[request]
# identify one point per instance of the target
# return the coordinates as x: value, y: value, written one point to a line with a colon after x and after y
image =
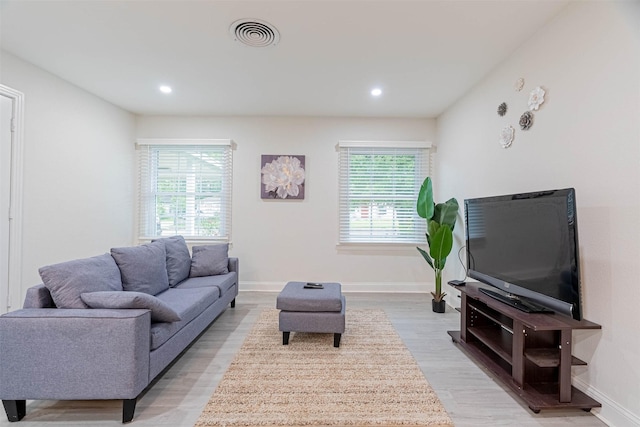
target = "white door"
x: 6, y: 117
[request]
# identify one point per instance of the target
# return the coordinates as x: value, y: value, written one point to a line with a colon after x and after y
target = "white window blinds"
x: 379, y: 186
x: 185, y: 189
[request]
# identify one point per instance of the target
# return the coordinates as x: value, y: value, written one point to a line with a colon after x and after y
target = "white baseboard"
x: 393, y: 287
x: 611, y: 413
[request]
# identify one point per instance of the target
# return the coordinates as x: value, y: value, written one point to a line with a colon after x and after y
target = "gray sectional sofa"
x: 105, y: 327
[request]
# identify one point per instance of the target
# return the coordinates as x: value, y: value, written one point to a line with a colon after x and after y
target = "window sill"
x: 190, y: 241
x: 378, y: 248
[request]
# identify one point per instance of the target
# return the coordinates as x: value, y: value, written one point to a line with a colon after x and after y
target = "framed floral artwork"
x: 283, y: 177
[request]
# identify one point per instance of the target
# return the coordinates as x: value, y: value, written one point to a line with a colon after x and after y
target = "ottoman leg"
x: 285, y: 338
x: 336, y: 340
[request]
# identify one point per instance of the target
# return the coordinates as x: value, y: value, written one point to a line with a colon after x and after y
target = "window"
x: 379, y: 186
x: 184, y: 188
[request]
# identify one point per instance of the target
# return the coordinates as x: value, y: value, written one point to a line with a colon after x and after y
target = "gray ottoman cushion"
x: 295, y: 297
x: 323, y: 322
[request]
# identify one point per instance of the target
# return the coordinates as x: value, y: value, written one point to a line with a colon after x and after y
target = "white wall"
x: 78, y: 178
x: 282, y: 240
x: 586, y: 135
x: 78, y: 169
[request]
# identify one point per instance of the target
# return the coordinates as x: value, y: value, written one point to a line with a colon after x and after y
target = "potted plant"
x: 441, y: 219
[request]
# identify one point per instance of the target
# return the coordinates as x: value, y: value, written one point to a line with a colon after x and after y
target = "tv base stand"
x: 529, y: 352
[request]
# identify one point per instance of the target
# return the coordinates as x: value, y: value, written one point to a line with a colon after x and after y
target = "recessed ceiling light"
x: 165, y: 89
x: 376, y: 91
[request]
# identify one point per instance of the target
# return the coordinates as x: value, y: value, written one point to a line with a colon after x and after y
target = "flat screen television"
x: 526, y: 245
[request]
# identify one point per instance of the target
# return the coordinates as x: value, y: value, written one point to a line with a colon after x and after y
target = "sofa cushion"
x: 143, y: 268
x: 178, y: 258
x: 188, y: 303
x: 160, y: 311
x: 224, y: 282
x: 68, y: 280
x: 210, y: 260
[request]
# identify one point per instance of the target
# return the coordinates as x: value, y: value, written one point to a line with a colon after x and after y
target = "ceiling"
x: 424, y: 55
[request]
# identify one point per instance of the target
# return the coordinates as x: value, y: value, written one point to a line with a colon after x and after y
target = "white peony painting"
x: 282, y: 177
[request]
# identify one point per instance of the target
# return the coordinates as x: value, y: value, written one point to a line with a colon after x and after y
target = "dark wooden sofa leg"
x: 15, y: 409
x: 336, y: 340
x: 128, y: 409
x: 233, y: 303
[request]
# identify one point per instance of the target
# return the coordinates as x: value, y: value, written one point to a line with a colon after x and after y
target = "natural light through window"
x: 379, y: 186
x: 185, y: 189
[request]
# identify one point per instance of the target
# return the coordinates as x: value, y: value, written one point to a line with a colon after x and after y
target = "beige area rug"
x: 371, y: 380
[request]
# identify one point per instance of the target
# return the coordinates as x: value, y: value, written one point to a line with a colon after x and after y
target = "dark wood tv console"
x: 528, y: 352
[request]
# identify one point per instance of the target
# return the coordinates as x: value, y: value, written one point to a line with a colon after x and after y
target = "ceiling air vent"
x: 254, y: 33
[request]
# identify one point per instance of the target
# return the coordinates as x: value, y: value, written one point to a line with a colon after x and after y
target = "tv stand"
x: 529, y: 352
x: 516, y: 302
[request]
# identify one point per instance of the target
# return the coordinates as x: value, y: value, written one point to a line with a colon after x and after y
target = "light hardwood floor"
x: 468, y: 392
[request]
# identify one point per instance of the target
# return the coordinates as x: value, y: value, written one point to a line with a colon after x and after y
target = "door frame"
x: 14, y: 290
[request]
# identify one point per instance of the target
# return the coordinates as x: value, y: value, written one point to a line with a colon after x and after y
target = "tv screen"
x: 527, y: 245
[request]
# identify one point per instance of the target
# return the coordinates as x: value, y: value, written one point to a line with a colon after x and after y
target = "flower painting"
x: 282, y: 177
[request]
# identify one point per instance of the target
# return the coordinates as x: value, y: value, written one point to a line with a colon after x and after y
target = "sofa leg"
x: 128, y: 409
x: 15, y: 409
x: 233, y: 303
x: 336, y: 340
x: 285, y: 338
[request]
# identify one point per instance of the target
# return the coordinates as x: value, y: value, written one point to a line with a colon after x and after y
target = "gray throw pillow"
x: 143, y: 268
x: 178, y: 258
x: 210, y: 260
x: 67, y: 280
x: 160, y: 311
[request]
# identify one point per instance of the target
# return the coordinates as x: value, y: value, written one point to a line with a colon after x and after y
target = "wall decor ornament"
x: 519, y: 84
x: 506, y: 136
x: 536, y: 98
x: 502, y: 109
x: 526, y: 120
x: 283, y: 177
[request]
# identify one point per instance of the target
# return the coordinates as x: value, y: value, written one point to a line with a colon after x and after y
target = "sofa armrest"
x: 38, y: 296
x: 234, y: 265
x: 69, y: 354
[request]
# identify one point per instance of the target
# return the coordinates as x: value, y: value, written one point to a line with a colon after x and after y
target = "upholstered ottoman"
x: 311, y: 310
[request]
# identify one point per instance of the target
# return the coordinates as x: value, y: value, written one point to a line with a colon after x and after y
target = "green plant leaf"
x: 425, y: 206
x: 446, y: 213
x: 426, y: 256
x: 432, y: 228
x: 428, y: 238
x: 441, y: 243
x: 439, y: 263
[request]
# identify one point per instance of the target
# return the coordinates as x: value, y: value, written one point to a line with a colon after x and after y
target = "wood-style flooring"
x: 470, y: 395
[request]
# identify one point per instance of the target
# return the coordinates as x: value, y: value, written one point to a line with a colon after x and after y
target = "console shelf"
x: 528, y: 352
x: 549, y: 357
x: 496, y: 343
